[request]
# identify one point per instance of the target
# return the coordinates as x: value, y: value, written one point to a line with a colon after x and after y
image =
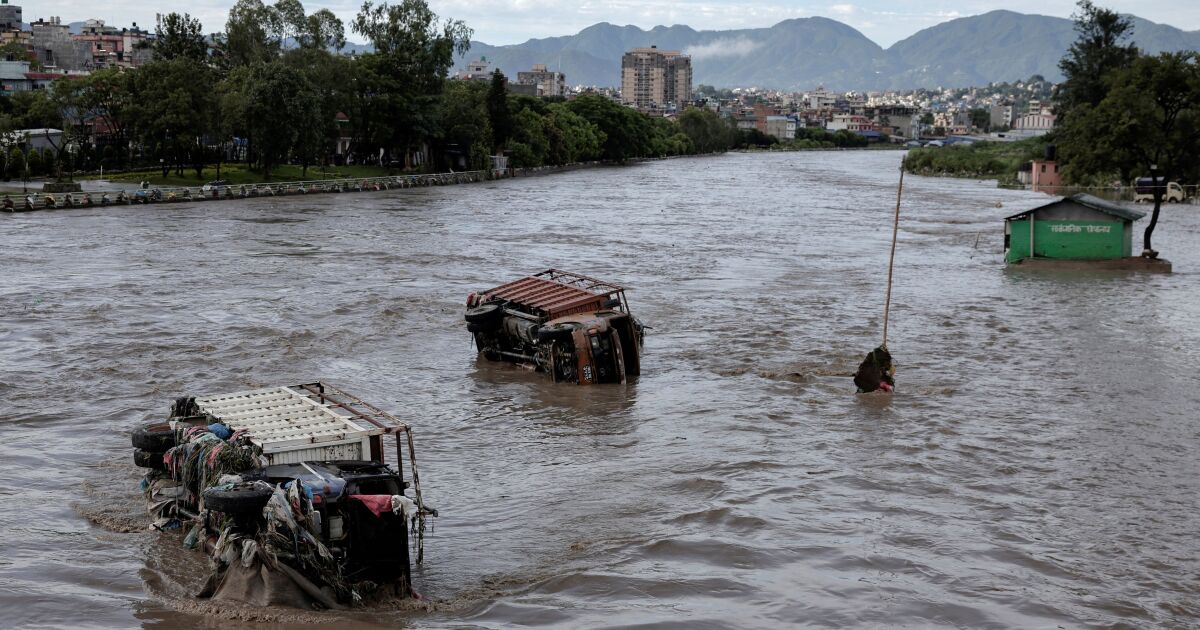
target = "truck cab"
x: 1143, y: 189
x: 575, y: 328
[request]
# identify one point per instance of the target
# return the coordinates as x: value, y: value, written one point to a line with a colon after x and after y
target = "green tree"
x: 1098, y: 50
x: 253, y: 34
x: 104, y: 97
x: 179, y: 36
x: 626, y: 132
x: 49, y: 163
x: 499, y: 114
x: 572, y: 137
x: 16, y: 51
x: 1148, y: 122
x: 981, y: 119
x: 529, y: 143
x: 34, y: 163
x: 282, y: 108
x: 326, y: 74
x: 706, y: 130
x: 464, y: 122
x: 414, y: 51
x: 16, y: 163
x: 322, y: 30
x: 173, y: 102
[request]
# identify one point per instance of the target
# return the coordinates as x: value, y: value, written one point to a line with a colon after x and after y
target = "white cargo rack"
x: 291, y: 426
x: 319, y: 422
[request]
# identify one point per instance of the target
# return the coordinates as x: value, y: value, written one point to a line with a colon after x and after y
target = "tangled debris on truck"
x: 288, y: 491
x: 575, y: 328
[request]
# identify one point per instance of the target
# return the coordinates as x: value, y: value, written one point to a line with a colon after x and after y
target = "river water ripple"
x: 1037, y: 467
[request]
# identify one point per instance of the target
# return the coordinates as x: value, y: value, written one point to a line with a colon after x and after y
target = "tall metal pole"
x: 887, y: 304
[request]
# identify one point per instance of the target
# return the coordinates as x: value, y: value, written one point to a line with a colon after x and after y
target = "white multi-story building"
x: 849, y: 122
x: 477, y: 70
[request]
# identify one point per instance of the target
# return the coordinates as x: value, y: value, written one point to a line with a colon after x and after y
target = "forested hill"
x: 805, y: 52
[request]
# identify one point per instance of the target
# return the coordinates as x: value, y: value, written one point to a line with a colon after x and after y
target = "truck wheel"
x: 156, y: 437
x: 484, y: 313
x: 147, y: 459
x: 242, y: 498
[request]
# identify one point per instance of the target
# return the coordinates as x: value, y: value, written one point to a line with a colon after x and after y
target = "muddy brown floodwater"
x: 1037, y: 468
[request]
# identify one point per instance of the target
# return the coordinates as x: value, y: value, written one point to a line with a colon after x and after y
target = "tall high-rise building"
x: 656, y: 80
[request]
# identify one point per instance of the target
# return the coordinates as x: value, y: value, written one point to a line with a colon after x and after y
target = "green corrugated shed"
x: 1080, y: 227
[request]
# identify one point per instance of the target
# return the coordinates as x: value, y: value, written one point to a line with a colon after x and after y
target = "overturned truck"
x: 289, y: 491
x: 575, y: 328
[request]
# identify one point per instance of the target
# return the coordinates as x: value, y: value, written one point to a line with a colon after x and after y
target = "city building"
x: 10, y: 16
x: 547, y: 82
x: 656, y: 80
x: 12, y: 77
x: 849, y: 122
x: 782, y: 127
x: 1002, y: 116
x: 54, y: 46
x: 108, y: 47
x: 821, y: 98
x: 1039, y: 123
x: 477, y: 70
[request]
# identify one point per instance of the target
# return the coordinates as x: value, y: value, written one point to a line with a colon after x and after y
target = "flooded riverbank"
x: 1036, y: 468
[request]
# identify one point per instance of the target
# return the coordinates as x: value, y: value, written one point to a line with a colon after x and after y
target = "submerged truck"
x: 291, y: 492
x: 575, y: 328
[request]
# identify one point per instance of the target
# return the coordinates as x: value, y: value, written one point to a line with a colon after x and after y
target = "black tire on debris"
x: 243, y: 498
x: 148, y: 459
x: 485, y: 314
x: 156, y: 437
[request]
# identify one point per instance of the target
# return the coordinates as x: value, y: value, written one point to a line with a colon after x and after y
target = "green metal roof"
x: 1088, y: 201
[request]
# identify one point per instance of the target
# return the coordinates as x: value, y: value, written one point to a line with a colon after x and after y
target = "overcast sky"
x: 514, y: 21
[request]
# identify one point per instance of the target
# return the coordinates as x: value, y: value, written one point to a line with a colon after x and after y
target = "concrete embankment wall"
x: 167, y: 194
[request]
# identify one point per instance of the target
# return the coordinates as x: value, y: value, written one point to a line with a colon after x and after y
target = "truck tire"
x: 484, y: 313
x: 147, y: 459
x: 156, y: 437
x: 243, y: 498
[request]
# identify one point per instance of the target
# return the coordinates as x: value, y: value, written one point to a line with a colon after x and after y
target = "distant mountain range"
x: 803, y: 53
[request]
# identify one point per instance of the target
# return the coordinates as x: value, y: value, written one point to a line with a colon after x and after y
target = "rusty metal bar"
x: 412, y: 455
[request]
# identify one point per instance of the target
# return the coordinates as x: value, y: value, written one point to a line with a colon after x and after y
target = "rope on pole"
x: 887, y: 303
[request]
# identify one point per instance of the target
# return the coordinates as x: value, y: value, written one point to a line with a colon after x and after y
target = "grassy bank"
x: 236, y: 174
x: 998, y: 160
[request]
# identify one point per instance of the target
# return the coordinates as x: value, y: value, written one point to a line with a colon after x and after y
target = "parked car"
x: 294, y: 479
x: 575, y: 328
x: 1143, y: 189
x: 215, y: 184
